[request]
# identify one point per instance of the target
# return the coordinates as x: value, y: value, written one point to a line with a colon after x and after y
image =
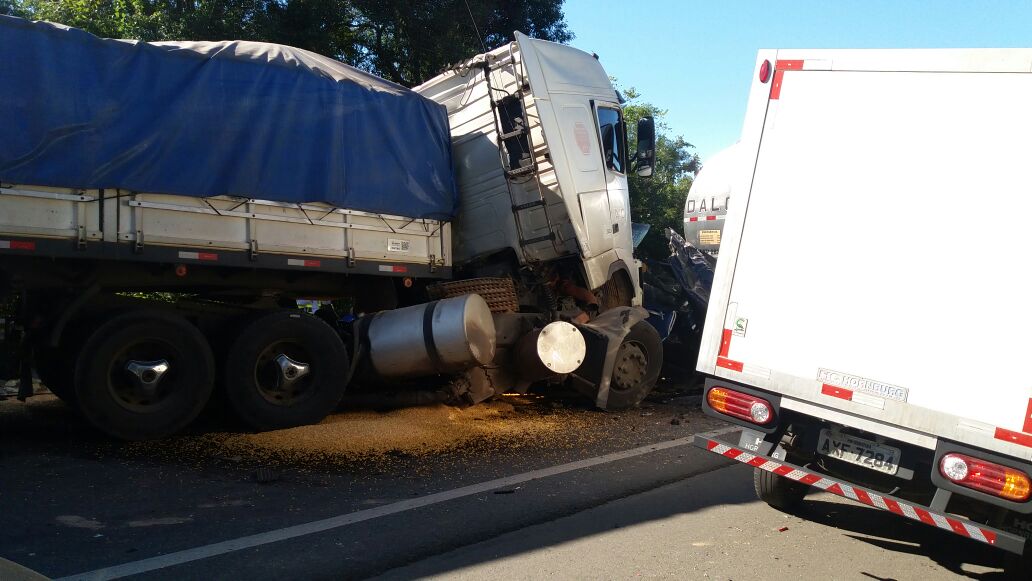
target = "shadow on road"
x: 892, y: 533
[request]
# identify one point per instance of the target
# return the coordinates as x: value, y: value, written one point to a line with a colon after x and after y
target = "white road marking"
x: 319, y: 526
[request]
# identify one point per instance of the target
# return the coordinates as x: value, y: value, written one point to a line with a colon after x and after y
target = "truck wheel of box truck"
x: 637, y: 367
x: 285, y: 369
x: 144, y: 375
x: 777, y: 491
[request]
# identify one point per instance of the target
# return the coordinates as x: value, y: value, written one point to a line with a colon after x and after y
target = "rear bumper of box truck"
x: 948, y: 522
x: 787, y: 443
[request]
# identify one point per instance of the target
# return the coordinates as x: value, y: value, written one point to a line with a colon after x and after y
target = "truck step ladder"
x: 517, y: 150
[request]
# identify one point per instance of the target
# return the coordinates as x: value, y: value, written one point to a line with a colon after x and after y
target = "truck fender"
x: 603, y: 336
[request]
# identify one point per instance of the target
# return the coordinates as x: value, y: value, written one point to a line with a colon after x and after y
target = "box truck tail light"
x: 995, y: 479
x: 740, y: 405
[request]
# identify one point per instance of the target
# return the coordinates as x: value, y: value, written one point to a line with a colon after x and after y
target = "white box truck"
x: 870, y: 310
x: 164, y: 205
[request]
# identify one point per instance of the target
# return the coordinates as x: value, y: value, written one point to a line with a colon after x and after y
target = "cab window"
x: 611, y: 131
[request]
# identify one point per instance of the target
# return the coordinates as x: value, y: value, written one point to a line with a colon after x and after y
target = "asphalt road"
x: 572, y: 493
x: 710, y: 526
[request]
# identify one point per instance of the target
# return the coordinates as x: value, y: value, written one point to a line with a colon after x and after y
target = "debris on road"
x: 265, y: 475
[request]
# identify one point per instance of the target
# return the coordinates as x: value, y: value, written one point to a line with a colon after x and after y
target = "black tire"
x: 56, y: 369
x: 777, y: 491
x: 56, y: 365
x: 257, y: 389
x: 1018, y: 566
x: 637, y: 367
x: 107, y: 394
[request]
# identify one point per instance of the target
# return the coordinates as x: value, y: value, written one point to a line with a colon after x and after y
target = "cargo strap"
x: 428, y: 337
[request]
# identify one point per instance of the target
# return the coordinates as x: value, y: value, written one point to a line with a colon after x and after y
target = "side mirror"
x: 645, y: 157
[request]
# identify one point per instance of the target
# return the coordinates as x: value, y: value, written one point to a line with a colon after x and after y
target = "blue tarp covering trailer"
x: 245, y: 119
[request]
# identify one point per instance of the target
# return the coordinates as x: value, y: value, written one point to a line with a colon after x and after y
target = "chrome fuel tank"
x: 437, y: 337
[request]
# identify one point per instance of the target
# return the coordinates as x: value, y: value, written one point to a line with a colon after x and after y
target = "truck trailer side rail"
x: 240, y: 232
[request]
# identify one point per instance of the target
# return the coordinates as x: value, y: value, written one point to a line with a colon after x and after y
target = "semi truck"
x: 164, y: 205
x: 865, y: 342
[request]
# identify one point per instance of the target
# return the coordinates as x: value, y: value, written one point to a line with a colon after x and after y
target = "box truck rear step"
x: 960, y: 526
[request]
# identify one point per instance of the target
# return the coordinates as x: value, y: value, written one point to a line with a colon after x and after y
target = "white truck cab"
x: 561, y: 191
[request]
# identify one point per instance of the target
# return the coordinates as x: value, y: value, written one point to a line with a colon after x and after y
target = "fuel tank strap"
x: 428, y: 336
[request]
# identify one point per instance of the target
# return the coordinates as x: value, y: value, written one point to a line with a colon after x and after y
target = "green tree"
x: 411, y: 42
x: 405, y: 42
x: 659, y: 200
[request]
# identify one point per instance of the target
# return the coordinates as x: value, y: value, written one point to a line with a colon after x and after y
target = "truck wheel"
x: 636, y: 370
x: 779, y: 492
x: 1018, y: 566
x: 57, y: 373
x: 286, y: 369
x: 144, y: 375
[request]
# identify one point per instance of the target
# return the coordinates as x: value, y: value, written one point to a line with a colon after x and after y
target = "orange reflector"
x: 740, y: 405
x: 988, y: 477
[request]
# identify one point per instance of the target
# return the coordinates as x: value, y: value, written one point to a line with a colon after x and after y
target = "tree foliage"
x: 405, y: 42
x: 659, y: 200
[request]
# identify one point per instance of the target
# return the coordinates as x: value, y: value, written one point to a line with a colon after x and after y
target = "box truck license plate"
x: 859, y: 451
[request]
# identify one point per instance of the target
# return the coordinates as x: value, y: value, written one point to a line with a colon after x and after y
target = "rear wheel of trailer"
x: 144, y: 375
x: 285, y: 369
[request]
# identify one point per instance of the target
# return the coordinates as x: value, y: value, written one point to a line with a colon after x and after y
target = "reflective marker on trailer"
x: 853, y: 396
x: 779, y: 76
x: 393, y: 268
x: 725, y: 349
x: 1014, y: 437
x: 209, y: 256
x: 17, y: 245
x: 308, y: 263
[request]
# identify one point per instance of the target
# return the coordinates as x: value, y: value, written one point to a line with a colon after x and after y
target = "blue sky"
x: 696, y: 58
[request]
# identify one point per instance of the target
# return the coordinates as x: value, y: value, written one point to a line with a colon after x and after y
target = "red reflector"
x: 988, y: 477
x: 740, y: 405
x: 765, y: 69
x: 790, y: 65
x: 17, y: 245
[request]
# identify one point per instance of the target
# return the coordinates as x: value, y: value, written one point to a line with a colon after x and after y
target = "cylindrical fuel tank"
x: 436, y: 337
x: 557, y: 348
